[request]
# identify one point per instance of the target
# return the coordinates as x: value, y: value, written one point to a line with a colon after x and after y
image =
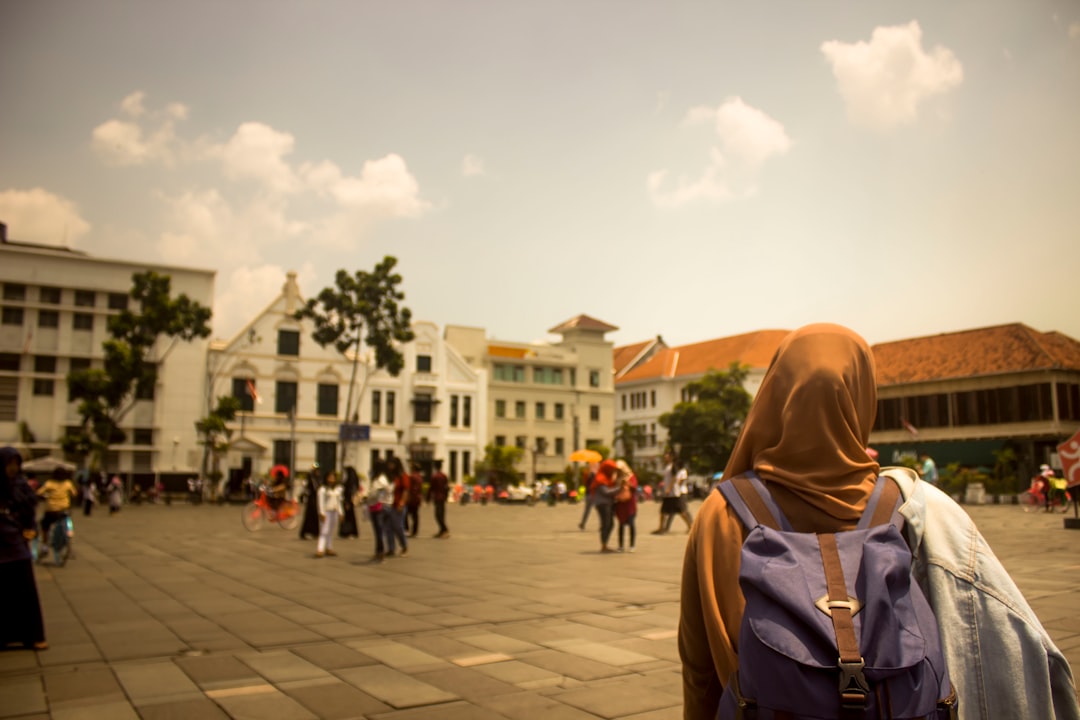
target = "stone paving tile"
x: 393, y: 687
x: 21, y: 696
x: 111, y: 710
x: 571, y: 665
x: 467, y: 683
x: 521, y: 674
x: 272, y: 705
x: 397, y: 655
x: 145, y: 682
x: 282, y: 666
x: 218, y: 671
x: 333, y: 656
x: 528, y: 706
x: 449, y: 711
x: 200, y: 709
x: 497, y: 642
x: 65, y: 654
x: 336, y: 701
x: 80, y: 684
x: 627, y: 698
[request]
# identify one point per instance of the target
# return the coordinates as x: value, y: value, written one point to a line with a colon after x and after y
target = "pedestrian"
x: 681, y: 503
x: 329, y: 501
x: 414, y: 497
x: 588, y: 475
x: 116, y: 494
x: 20, y: 607
x: 437, y: 494
x: 90, y: 493
x: 58, y: 492
x: 394, y: 524
x: 928, y: 469
x: 378, y: 496
x: 626, y: 504
x: 310, y: 524
x: 350, y: 491
x: 805, y: 437
x: 669, y: 499
x: 603, y: 499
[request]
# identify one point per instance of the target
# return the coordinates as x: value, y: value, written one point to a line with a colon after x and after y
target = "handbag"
x: 625, y: 494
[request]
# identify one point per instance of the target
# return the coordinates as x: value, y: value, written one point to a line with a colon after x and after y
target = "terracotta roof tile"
x: 583, y: 322
x: 624, y: 355
x: 970, y: 353
x: 755, y: 349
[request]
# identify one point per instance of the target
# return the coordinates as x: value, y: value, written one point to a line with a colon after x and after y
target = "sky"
x: 685, y: 169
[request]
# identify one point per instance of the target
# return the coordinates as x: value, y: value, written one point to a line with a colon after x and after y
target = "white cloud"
x: 245, y: 291
x: 128, y: 142
x: 747, y: 137
x: 1074, y: 31
x: 384, y: 185
x: 133, y: 104
x: 884, y: 81
x: 472, y: 166
x: 40, y: 216
x: 257, y: 152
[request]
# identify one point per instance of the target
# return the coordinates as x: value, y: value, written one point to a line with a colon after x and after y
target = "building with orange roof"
x: 960, y: 396
x: 547, y: 398
x: 651, y: 387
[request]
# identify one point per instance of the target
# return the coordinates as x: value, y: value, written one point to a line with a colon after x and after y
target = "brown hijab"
x: 807, y: 431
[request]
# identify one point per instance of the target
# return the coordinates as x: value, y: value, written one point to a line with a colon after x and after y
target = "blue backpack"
x: 834, y: 626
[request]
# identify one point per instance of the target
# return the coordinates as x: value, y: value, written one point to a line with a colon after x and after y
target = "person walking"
x: 626, y: 504
x: 437, y: 494
x: 394, y: 524
x: 928, y: 469
x: 116, y: 494
x: 377, y: 499
x: 681, y: 503
x: 669, y: 499
x: 329, y: 501
x: 310, y: 523
x: 414, y: 497
x: 805, y: 437
x: 603, y: 495
x: 350, y: 491
x: 20, y: 606
x: 588, y: 475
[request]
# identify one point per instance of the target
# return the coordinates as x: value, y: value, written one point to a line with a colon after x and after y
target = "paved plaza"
x: 179, y: 612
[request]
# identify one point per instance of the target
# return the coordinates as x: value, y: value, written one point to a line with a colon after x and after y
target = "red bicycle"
x: 259, y: 512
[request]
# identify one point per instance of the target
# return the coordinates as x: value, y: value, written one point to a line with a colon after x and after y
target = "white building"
x: 427, y: 412
x: 548, y: 399
x: 55, y: 305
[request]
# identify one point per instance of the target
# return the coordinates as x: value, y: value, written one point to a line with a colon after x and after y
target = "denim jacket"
x: 1000, y: 659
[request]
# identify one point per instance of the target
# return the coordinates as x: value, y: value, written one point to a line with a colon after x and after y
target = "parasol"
x: 47, y: 464
x: 586, y: 456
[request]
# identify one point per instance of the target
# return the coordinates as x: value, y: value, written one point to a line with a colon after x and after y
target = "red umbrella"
x: 279, y: 469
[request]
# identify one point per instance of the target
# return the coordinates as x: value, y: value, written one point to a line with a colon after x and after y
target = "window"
x: 500, y: 440
x: 624, y: 401
x: 284, y: 396
x: 9, y: 398
x: 84, y: 298
x: 547, y: 376
x: 118, y: 301
x: 328, y: 399
x: 422, y: 407
x: 454, y: 400
x: 78, y: 364
x: 559, y: 411
x: 509, y: 373
x: 560, y: 446
x: 541, y: 446
x: 326, y: 455
x: 466, y: 462
x: 283, y: 453
x: 1068, y: 395
x: 44, y: 387
x: 288, y: 342
x: 374, y: 457
x: 14, y: 291
x: 541, y: 411
x: 519, y: 409
x: 423, y: 363
x: 520, y: 441
x: 652, y: 398
x: 50, y: 295
x: 144, y: 388
x: 44, y: 364
x: 376, y: 406
x: 142, y: 436
x: 453, y: 466
x: 11, y: 316
x: 500, y: 408
x: 594, y: 378
x: 594, y: 413
x: 466, y: 411
x: 241, y: 390
x: 9, y: 362
x: 82, y: 321
x: 391, y: 407
x: 48, y: 318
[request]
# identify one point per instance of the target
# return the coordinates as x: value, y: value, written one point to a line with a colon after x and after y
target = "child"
x: 329, y: 501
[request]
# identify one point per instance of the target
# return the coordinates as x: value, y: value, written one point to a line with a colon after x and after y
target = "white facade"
x: 277, y: 355
x: 55, y: 305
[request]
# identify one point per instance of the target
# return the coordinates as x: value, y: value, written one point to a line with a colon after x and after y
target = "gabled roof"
x: 583, y: 322
x: 627, y: 357
x: 971, y: 353
x: 755, y: 349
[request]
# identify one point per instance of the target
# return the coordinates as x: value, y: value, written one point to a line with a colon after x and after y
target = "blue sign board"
x: 352, y: 432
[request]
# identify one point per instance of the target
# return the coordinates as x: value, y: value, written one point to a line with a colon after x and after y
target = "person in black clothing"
x: 437, y: 494
x: 310, y: 526
x: 20, y: 608
x: 348, y: 526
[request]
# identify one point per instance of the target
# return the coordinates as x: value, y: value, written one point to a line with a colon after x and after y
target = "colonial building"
x: 548, y: 399
x: 653, y: 379
x: 293, y: 396
x: 55, y: 305
x: 960, y: 396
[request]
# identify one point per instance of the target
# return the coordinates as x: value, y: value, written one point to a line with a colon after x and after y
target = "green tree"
x: 362, y: 308
x: 629, y: 437
x: 139, y: 342
x: 499, y: 465
x: 704, y: 429
x: 215, y: 434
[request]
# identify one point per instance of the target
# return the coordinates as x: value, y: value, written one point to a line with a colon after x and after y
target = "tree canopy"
x: 499, y: 465
x: 704, y: 429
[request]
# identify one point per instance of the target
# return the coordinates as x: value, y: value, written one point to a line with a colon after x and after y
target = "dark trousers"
x: 633, y: 530
x: 607, y: 522
x: 440, y: 516
x: 412, y: 519
x: 377, y: 526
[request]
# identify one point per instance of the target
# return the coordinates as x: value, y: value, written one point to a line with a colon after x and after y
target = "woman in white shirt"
x: 379, y: 496
x: 329, y: 505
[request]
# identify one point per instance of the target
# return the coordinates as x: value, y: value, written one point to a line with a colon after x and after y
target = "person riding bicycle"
x: 278, y: 491
x: 58, y: 492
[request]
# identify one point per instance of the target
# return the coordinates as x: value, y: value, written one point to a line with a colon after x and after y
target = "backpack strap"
x: 854, y: 689
x: 883, y: 505
x: 751, y: 501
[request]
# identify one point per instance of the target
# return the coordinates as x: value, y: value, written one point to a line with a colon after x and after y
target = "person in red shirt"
x: 413, y: 498
x: 395, y: 523
x: 437, y: 494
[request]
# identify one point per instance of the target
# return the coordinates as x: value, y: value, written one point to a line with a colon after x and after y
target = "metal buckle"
x: 825, y: 605
x: 854, y: 690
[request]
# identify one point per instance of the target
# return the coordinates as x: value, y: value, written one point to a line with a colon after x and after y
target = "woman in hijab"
x: 20, y: 609
x: 603, y: 493
x: 806, y: 436
x: 348, y: 527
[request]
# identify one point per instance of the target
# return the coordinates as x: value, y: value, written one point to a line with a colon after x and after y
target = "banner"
x: 1069, y: 453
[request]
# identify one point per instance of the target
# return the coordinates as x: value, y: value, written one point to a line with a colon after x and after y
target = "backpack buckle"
x: 854, y: 690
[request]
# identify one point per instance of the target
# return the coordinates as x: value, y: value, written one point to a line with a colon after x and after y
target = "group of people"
x: 391, y: 500
x: 612, y: 490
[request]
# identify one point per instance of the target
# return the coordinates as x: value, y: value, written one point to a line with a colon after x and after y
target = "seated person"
x: 278, y: 490
x: 58, y: 492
